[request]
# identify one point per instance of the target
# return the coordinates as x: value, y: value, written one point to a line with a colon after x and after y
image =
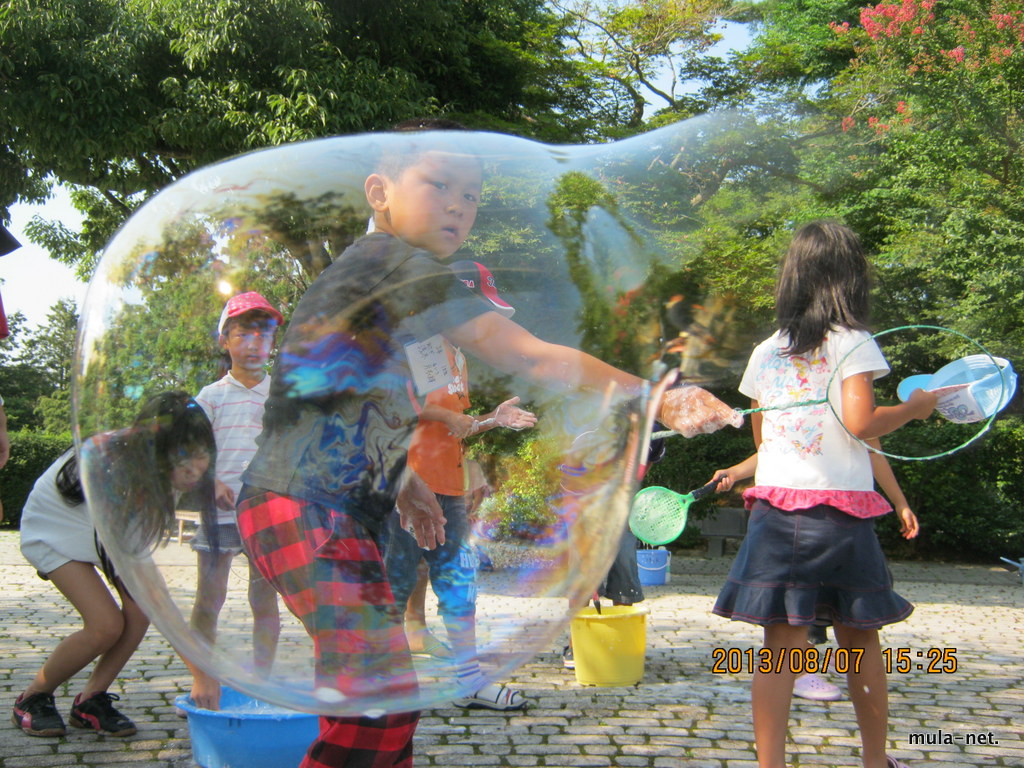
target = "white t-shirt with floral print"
x: 806, y: 447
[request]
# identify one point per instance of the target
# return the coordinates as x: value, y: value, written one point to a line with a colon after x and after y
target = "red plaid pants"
x: 329, y: 571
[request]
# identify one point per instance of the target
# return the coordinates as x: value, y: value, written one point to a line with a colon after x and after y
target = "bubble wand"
x: 1007, y: 386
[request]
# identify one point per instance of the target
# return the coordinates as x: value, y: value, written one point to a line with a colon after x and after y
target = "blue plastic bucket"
x: 248, y: 733
x: 653, y: 566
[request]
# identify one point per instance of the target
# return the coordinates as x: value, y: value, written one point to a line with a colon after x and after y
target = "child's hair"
x: 823, y: 284
x: 169, y: 427
x: 396, y: 156
x: 68, y: 481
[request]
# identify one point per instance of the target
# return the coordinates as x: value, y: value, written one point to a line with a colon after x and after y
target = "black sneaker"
x: 37, y: 715
x: 568, y: 661
x: 97, y: 712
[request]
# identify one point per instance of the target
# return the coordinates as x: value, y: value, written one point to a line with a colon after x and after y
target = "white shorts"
x: 45, y: 559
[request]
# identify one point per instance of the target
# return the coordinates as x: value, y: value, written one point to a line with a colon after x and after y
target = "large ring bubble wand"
x: 971, y: 389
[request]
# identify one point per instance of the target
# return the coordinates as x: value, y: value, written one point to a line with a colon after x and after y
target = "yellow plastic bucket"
x: 609, y: 647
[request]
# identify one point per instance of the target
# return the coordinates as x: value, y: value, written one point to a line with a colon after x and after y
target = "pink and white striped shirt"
x: 236, y: 413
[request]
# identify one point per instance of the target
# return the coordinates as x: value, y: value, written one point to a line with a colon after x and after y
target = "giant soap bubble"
x: 583, y: 242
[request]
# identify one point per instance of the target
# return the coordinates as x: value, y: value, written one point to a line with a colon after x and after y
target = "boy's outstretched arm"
x: 509, y: 347
x: 462, y: 425
x: 458, y: 423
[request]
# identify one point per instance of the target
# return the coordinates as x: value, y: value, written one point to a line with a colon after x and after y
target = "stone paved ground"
x: 682, y: 714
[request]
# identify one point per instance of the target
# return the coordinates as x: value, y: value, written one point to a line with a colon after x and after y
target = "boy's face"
x: 432, y: 204
x: 249, y: 343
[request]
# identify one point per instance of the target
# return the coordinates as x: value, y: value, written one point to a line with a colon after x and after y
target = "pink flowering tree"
x: 905, y: 120
x: 931, y: 105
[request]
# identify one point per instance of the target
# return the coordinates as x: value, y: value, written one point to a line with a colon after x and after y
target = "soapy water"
x: 579, y: 240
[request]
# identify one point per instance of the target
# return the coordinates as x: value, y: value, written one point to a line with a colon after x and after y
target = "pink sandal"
x: 892, y: 762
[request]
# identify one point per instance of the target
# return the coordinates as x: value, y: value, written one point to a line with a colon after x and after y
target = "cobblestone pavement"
x: 681, y: 714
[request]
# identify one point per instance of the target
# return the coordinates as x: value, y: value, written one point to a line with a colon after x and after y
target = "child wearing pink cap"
x: 234, y: 404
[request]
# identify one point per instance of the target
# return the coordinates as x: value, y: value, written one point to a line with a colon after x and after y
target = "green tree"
x: 54, y: 411
x: 935, y: 105
x: 117, y: 98
x: 51, y: 347
x: 10, y: 347
x: 21, y: 383
x: 641, y: 55
x: 795, y: 46
x: 901, y: 119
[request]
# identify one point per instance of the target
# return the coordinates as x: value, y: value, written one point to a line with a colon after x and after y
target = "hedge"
x: 31, y: 453
x: 969, y: 503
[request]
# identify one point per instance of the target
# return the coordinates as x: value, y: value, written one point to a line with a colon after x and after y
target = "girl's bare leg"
x: 772, y: 692
x: 109, y: 667
x: 868, y: 692
x: 211, y: 591
x: 103, y: 622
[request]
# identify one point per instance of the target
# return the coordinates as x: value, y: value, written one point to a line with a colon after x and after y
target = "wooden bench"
x: 724, y: 523
x: 185, y: 516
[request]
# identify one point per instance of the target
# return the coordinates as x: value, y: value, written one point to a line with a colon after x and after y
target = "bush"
x: 31, y: 453
x: 519, y: 508
x: 968, y: 503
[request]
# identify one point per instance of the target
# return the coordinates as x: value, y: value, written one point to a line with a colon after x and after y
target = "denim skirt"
x: 811, y: 566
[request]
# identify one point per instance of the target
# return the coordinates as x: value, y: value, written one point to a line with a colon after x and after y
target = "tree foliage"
x: 35, y: 370
x: 935, y: 101
x: 902, y: 120
x: 641, y: 55
x: 117, y: 98
x: 52, y: 347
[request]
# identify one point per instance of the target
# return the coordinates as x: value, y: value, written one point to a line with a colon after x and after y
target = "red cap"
x: 246, y: 302
x: 479, y: 279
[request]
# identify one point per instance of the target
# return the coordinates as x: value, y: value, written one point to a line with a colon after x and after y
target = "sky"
x: 32, y: 282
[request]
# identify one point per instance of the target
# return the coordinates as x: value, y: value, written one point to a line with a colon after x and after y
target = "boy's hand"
x: 692, y: 411
x: 223, y: 496
x: 461, y: 425
x: 508, y: 415
x: 419, y: 513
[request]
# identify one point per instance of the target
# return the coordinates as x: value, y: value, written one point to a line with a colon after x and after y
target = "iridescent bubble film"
x: 584, y: 243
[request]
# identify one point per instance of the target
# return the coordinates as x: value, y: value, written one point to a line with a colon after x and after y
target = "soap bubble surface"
x: 578, y: 239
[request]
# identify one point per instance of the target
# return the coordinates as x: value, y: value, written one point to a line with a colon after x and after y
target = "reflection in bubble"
x: 585, y: 242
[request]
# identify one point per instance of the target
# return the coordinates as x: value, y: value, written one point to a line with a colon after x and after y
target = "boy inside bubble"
x: 331, y: 462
